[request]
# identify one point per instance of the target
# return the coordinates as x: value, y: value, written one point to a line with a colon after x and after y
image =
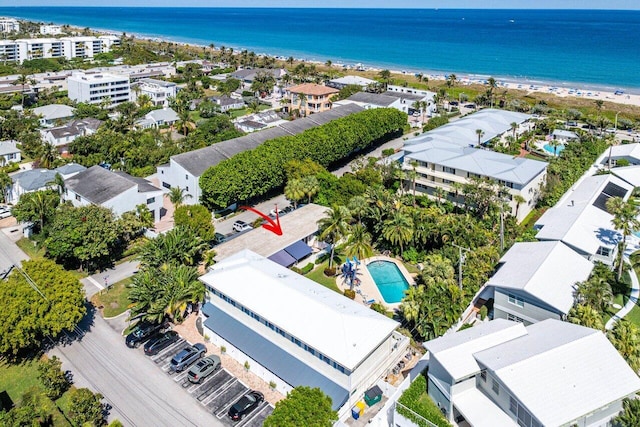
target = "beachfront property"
x: 39, y: 179
x: 66, y: 47
x: 159, y: 91
x: 627, y: 152
x: 9, y: 152
x: 61, y: 136
x: 342, y: 82
x: 295, y: 332
x: 184, y: 170
x: 98, y: 88
x: 447, y: 157
x: 248, y: 75
x: 309, y: 98
x: 581, y: 221
x: 157, y: 118
x: 551, y: 373
x: 400, y: 102
x: 9, y: 25
x: 564, y: 136
x: 50, y: 30
x: 533, y: 283
x: 53, y: 114
x: 115, y: 190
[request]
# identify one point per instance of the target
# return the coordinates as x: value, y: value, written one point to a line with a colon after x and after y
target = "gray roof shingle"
x: 98, y: 184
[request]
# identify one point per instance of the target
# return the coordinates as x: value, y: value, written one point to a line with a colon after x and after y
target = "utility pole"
x: 461, y: 258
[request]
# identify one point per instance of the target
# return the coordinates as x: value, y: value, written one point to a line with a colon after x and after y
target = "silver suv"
x: 241, y: 226
x: 185, y: 357
x: 203, y: 368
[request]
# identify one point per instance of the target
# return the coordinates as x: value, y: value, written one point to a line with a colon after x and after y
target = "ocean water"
x: 591, y: 48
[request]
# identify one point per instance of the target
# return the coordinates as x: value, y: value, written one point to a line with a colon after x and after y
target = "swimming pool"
x: 389, y: 280
x: 551, y: 150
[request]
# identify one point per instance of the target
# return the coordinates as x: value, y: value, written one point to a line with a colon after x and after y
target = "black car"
x: 142, y: 332
x: 159, y: 342
x: 245, y: 404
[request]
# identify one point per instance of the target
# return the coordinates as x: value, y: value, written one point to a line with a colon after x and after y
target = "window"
x: 513, y: 299
x: 495, y: 387
x: 513, y: 406
x: 78, y: 198
x: 603, y: 251
x: 186, y: 177
x: 449, y: 170
x: 483, y: 375
x: 515, y: 318
x: 151, y: 200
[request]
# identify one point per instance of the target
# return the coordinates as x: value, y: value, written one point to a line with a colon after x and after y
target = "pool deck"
x: 367, y: 290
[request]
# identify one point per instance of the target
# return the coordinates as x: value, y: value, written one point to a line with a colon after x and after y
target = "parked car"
x: 241, y: 226
x: 203, y: 368
x: 245, y: 405
x: 185, y: 357
x: 219, y: 238
x: 142, y: 332
x: 273, y: 212
x: 159, y: 342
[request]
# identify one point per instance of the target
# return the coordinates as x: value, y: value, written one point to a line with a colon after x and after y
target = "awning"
x: 283, y: 258
x: 478, y: 410
x: 276, y: 359
x: 299, y: 250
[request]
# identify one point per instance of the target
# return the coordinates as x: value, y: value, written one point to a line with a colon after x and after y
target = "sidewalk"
x: 633, y: 298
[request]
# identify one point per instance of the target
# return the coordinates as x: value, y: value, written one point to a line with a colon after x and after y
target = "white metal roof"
x: 630, y: 174
x: 560, y: 371
x: 623, y: 150
x: 480, y: 411
x: 54, y: 111
x: 545, y: 270
x: 578, y: 223
x: 455, y: 351
x: 337, y: 326
x: 353, y: 80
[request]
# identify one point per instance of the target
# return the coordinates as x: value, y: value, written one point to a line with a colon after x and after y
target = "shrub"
x: 330, y: 272
x: 351, y: 294
x: 322, y: 258
x: 223, y: 349
x: 273, y: 385
x: 411, y: 398
x: 307, y: 268
x: 483, y: 312
x: 376, y: 306
x: 296, y: 270
x: 55, y: 381
x: 247, y: 366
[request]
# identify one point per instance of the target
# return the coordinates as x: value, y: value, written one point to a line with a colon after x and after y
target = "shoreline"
x: 591, y: 91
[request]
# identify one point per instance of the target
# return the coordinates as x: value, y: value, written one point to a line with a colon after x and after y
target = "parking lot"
x: 217, y: 393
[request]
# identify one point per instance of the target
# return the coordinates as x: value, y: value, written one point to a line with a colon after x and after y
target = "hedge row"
x: 254, y: 173
x: 412, y: 399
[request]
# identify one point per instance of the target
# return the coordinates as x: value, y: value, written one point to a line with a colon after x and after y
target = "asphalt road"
x: 10, y: 254
x: 137, y: 391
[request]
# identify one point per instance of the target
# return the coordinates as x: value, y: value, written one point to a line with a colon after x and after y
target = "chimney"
x: 573, y: 203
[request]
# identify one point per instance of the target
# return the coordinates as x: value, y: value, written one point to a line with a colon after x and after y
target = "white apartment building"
x: 158, y: 90
x: 447, y: 157
x: 66, y: 47
x: 93, y: 88
x: 50, y: 29
x: 295, y: 332
x: 9, y: 25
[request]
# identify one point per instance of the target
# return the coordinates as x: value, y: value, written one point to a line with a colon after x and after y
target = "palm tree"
x: 359, y: 242
x: 625, y: 337
x: 311, y: 186
x: 594, y: 292
x: 144, y: 291
x: 47, y: 155
x: 181, y: 286
x: 177, y: 196
x: 625, y: 220
x: 480, y: 134
x: 5, y: 184
x: 599, y: 104
x: 555, y: 144
x: 212, y: 47
x: 514, y: 128
x: 586, y: 315
x: 43, y: 205
x: 519, y: 200
x: 398, y: 229
x: 385, y: 78
x: 334, y: 226
x: 23, y: 80
x: 294, y: 191
x: 358, y: 206
x: 303, y: 102
x: 58, y: 182
x: 451, y: 80
x: 630, y: 415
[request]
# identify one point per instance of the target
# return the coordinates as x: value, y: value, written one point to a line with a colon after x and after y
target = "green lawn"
x: 115, y: 300
x: 18, y: 378
x: 28, y: 246
x: 244, y: 111
x: 317, y: 275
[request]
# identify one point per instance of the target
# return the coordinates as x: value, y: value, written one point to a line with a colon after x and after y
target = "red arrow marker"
x: 272, y: 226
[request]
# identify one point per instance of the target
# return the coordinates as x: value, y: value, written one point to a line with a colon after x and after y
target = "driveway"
x: 138, y: 393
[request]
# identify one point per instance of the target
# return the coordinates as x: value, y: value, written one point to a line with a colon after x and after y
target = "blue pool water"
x: 389, y: 280
x: 549, y: 149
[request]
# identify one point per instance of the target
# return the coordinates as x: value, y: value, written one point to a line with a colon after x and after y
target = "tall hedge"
x: 255, y: 172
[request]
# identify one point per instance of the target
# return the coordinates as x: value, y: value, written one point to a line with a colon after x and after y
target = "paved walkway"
x: 633, y: 297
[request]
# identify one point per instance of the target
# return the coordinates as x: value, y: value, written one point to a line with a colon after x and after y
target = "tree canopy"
x: 195, y: 218
x: 303, y: 406
x: 28, y: 316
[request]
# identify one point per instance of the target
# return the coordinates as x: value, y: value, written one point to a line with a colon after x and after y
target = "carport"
x: 292, y: 254
x: 478, y: 410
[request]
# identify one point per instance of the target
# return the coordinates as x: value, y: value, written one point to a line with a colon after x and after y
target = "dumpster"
x: 373, y: 395
x: 358, y: 410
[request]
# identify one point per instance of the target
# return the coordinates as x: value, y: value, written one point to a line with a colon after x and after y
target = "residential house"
x: 248, y: 75
x: 342, y: 82
x: 581, y: 221
x: 446, y: 158
x: 98, y: 88
x: 295, y: 332
x: 309, y: 98
x: 627, y: 152
x: 184, y: 170
x: 533, y: 282
x: 157, y: 118
x: 400, y: 102
x: 53, y: 114
x: 550, y: 373
x: 50, y: 29
x: 564, y: 136
x: 115, y: 190
x: 9, y: 152
x: 39, y: 179
x: 259, y: 121
x: 61, y: 136
x: 226, y: 103
x: 158, y: 91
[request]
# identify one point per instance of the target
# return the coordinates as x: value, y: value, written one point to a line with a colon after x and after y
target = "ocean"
x: 586, y: 48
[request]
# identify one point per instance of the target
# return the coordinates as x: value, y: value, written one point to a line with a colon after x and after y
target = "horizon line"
x: 313, y: 7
